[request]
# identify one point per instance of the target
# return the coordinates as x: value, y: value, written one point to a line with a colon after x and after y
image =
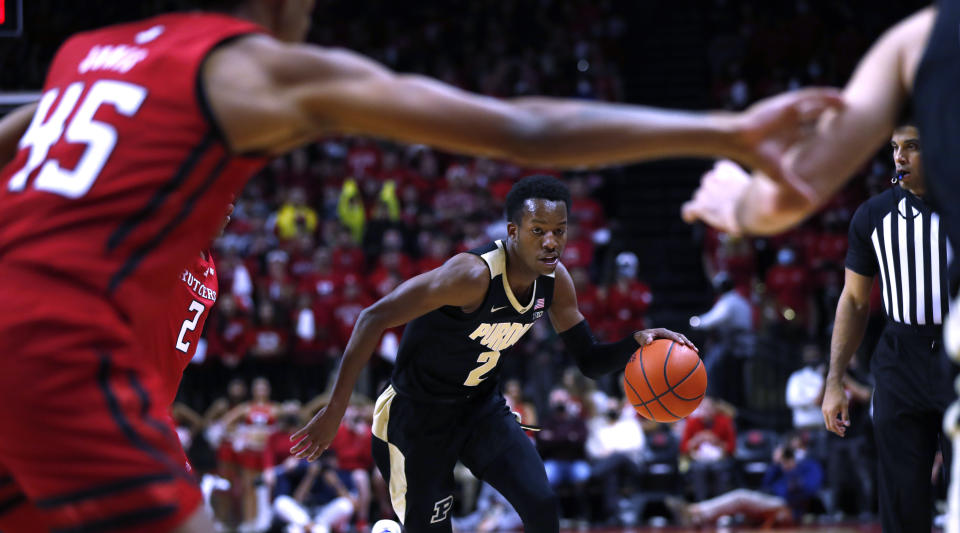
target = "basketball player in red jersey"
x: 172, y: 343
x: 121, y: 173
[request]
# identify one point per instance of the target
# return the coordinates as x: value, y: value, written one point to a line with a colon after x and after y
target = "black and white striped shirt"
x: 898, y: 236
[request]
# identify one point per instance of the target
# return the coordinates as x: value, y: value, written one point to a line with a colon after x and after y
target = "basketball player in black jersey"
x: 443, y: 404
x: 914, y: 66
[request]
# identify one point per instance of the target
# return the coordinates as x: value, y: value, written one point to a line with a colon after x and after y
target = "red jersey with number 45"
x: 120, y: 180
x: 171, y: 345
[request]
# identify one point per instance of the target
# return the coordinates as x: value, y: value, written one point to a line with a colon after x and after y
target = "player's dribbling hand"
x: 646, y: 336
x: 835, y: 403
x: 316, y: 436
x: 715, y: 201
x: 768, y: 128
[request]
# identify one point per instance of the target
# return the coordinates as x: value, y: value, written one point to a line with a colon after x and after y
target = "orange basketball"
x: 665, y: 380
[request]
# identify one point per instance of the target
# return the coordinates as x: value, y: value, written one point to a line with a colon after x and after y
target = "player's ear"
x: 512, y: 230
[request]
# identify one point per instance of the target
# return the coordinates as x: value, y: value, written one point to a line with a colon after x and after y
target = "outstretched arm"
x: 269, y: 96
x: 462, y: 281
x: 819, y: 164
x: 594, y: 358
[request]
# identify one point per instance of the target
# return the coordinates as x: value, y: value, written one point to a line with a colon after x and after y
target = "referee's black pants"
x: 913, y: 389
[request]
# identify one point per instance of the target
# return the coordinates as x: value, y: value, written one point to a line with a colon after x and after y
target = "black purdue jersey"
x: 449, y: 355
x: 936, y: 102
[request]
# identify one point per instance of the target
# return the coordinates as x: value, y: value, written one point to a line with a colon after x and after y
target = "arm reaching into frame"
x: 821, y: 162
x: 268, y: 96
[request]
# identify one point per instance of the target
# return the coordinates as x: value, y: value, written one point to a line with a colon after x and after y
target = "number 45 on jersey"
x: 99, y: 137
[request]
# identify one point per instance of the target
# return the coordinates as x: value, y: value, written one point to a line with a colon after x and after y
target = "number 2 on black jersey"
x: 489, y: 360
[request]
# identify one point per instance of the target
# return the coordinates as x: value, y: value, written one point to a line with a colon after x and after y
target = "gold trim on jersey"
x: 398, y: 476
x: 497, y: 261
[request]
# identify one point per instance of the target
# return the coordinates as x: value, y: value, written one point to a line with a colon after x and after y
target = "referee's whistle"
x: 898, y: 177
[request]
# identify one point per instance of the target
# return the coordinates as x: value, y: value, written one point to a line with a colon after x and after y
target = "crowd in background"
x: 322, y: 233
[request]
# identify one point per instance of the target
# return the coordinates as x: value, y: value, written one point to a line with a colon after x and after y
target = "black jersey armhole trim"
x: 204, y: 103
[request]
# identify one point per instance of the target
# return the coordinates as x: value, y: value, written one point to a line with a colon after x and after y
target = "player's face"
x: 541, y: 234
x: 906, y: 157
x: 294, y: 20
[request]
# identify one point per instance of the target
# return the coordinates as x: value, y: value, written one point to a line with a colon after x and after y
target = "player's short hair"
x: 537, y: 186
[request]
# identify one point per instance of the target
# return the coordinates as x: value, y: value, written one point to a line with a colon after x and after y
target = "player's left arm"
x: 594, y: 358
x: 12, y: 128
x: 820, y: 163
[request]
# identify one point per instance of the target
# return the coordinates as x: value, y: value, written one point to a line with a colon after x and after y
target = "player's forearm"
x: 848, y: 330
x: 363, y: 341
x: 768, y: 207
x: 596, y: 359
x: 573, y: 133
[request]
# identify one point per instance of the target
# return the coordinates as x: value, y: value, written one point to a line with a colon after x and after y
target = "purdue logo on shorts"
x: 441, y: 509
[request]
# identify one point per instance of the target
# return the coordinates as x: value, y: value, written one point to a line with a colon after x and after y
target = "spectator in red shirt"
x: 234, y: 277
x: 314, y: 346
x: 734, y: 255
x: 229, y: 332
x: 347, y: 255
x: 628, y: 299
x: 323, y: 281
x: 579, y: 250
x: 426, y: 178
x: 300, y: 264
x: 391, y: 256
x: 788, y: 284
x: 474, y: 234
x: 709, y: 440
x: 590, y: 304
x: 458, y: 199
x: 363, y: 159
x: 268, y: 348
x: 586, y: 210
x: 353, y: 300
x: 831, y: 245
x: 438, y: 250
x: 277, y: 286
x: 391, y: 168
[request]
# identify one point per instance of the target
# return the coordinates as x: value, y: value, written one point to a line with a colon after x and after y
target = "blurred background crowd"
x: 324, y: 232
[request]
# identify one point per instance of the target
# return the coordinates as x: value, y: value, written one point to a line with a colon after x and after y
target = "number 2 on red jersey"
x: 99, y: 137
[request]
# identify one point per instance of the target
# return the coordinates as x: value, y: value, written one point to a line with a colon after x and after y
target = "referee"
x: 897, y: 235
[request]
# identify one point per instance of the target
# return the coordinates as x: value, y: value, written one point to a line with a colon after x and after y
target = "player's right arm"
x: 12, y: 128
x: 269, y: 96
x: 853, y: 311
x: 462, y: 282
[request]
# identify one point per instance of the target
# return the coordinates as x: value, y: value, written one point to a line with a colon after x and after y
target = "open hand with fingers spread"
x: 646, y: 336
x: 311, y: 440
